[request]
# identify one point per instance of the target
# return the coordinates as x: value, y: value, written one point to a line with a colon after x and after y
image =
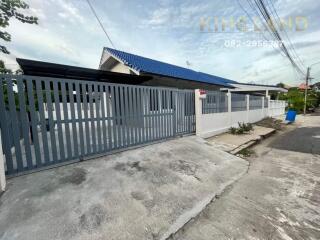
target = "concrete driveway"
x: 146, y: 193
x: 279, y: 198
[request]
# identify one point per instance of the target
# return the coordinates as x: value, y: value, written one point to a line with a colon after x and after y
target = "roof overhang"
x: 47, y: 69
x: 242, y: 87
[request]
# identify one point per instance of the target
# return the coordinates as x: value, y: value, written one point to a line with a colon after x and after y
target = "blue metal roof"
x: 148, y: 65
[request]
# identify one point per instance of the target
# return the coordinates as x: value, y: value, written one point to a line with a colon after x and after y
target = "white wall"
x: 277, y: 108
x: 208, y: 125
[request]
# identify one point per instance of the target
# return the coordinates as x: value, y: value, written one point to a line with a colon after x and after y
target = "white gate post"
x: 198, y: 111
x: 269, y: 106
x: 229, y: 109
x: 248, y: 106
x: 263, y: 112
x: 2, y: 171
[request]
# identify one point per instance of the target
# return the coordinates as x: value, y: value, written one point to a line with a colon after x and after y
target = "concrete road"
x: 305, y: 138
x: 145, y: 193
x: 279, y: 197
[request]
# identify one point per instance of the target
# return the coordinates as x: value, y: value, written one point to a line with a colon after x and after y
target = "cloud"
x: 70, y: 12
x: 10, y: 61
x: 306, y: 44
x: 166, y: 30
x: 298, y: 45
x: 176, y: 15
x: 159, y: 17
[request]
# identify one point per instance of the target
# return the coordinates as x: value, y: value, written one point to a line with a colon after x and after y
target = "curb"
x: 251, y: 143
x: 192, y: 214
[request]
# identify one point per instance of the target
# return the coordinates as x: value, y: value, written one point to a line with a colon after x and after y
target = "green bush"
x: 243, y: 128
x: 233, y: 130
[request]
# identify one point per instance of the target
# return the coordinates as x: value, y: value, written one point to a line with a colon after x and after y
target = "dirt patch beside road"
x: 271, y: 123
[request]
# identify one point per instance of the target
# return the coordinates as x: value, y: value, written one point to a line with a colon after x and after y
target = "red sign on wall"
x: 203, y: 93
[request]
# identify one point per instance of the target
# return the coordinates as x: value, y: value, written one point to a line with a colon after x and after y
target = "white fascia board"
x: 252, y: 88
x: 119, y: 60
x: 102, y: 57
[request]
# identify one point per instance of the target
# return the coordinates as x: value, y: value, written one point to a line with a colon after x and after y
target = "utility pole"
x: 307, y: 85
x: 306, y: 91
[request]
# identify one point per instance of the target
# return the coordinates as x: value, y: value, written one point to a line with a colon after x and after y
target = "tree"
x: 295, y: 99
x: 10, y: 9
x: 3, y: 68
x: 18, y: 71
x: 281, y: 85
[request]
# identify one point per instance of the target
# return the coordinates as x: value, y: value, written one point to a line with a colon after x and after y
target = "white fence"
x: 277, y: 108
x: 213, y: 123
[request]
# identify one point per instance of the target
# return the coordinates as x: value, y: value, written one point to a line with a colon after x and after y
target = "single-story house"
x: 316, y: 87
x: 126, y: 68
x: 169, y: 75
x: 303, y: 87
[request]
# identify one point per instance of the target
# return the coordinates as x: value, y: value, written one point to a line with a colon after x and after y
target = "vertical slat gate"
x: 46, y: 121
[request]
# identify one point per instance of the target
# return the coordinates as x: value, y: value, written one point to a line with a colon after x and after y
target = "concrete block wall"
x: 208, y: 125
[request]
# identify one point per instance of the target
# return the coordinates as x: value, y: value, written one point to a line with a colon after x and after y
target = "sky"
x: 169, y: 31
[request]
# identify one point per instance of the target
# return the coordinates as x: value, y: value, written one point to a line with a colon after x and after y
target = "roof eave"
x: 160, y: 75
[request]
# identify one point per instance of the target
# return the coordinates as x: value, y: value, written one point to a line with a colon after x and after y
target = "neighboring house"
x: 316, y: 87
x: 168, y: 75
x: 303, y: 87
x: 257, y: 89
x: 285, y: 86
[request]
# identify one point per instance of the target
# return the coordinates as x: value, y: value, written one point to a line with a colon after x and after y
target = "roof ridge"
x: 150, y: 65
x: 112, y: 49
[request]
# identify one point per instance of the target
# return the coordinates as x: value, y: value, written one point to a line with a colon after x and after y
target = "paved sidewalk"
x: 229, y: 142
x: 146, y: 193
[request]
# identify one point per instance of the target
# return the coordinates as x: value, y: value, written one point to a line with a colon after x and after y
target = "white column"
x: 198, y: 111
x: 269, y: 106
x: 263, y: 110
x: 248, y: 106
x: 229, y: 108
x: 2, y: 171
x: 229, y: 102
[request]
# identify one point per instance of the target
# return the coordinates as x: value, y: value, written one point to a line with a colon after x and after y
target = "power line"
x: 263, y: 35
x: 267, y: 17
x: 258, y: 15
x: 254, y: 23
x: 264, y: 11
x: 101, y: 25
x: 295, y: 67
x: 278, y: 21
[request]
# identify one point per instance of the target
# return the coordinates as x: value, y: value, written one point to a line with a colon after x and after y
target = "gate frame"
x: 42, y: 83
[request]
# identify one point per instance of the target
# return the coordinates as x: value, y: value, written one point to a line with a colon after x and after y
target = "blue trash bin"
x: 291, y: 115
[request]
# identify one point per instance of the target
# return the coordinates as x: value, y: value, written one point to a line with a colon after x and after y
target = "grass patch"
x: 246, y: 152
x: 242, y: 129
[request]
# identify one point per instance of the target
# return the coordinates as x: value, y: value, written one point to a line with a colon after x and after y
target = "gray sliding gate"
x: 47, y: 121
